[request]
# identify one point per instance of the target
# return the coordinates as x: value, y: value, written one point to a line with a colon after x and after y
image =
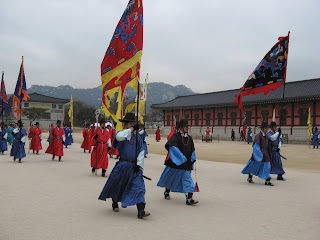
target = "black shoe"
x: 53, y: 157
x: 33, y: 151
x: 250, y: 179
x: 280, y: 178
x: 166, y: 195
x: 93, y: 170
x: 103, y: 174
x: 268, y: 183
x: 89, y: 151
x: 115, y: 207
x: 37, y: 152
x: 14, y: 159
x: 59, y: 158
x: 84, y: 150
x: 142, y: 214
x: 19, y: 160
x: 191, y: 201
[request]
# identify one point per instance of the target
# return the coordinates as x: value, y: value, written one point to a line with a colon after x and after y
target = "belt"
x: 103, y: 143
x: 126, y: 160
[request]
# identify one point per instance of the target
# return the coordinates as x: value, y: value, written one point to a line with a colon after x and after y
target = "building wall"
x: 223, y: 119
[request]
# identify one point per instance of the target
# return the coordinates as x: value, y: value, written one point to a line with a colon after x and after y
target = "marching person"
x: 10, y: 134
x: 70, y: 135
x: 144, y: 135
x: 158, y: 136
x: 249, y: 136
x: 208, y: 134
x: 20, y: 135
x: 176, y: 176
x: 3, y: 138
x: 56, y: 145
x: 87, y: 139
x: 259, y: 163
x: 275, y: 141
x: 125, y: 183
x: 36, y: 139
x: 67, y: 136
x: 315, y: 138
x: 102, y: 143
x: 232, y: 135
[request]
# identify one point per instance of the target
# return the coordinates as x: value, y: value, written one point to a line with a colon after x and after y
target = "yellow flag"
x: 309, y: 124
x: 274, y: 115
x: 70, y: 113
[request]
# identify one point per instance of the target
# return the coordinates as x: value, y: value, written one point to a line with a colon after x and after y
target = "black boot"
x: 280, y: 177
x: 37, y: 152
x: 268, y: 183
x: 190, y: 200
x: 250, y: 178
x: 141, y: 212
x: 93, y: 170
x: 167, y: 194
x: 53, y: 157
x: 103, y: 174
x: 14, y: 158
x: 84, y: 150
x: 33, y: 151
x: 19, y: 160
x: 89, y: 151
x: 115, y: 206
x: 59, y: 158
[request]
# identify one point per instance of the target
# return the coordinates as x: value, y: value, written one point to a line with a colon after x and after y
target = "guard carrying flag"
x: 270, y: 73
x: 4, y: 98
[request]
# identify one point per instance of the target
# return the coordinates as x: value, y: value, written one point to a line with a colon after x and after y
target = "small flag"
x: 4, y: 98
x: 70, y: 112
x: 21, y: 92
x: 270, y: 73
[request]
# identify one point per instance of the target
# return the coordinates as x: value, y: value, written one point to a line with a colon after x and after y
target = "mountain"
x: 158, y: 92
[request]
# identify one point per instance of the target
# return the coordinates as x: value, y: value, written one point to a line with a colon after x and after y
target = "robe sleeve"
x: 123, y: 135
x: 140, y: 160
x: 257, y: 154
x: 273, y: 137
x: 15, y: 131
x: 176, y: 156
x: 5, y: 136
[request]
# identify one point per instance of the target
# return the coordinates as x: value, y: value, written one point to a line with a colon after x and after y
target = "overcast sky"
x: 206, y: 45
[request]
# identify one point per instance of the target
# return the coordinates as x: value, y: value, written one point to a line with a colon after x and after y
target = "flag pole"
x: 2, y: 98
x: 137, y: 119
x: 285, y: 78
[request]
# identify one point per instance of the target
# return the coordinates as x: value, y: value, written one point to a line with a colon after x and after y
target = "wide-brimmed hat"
x: 37, y: 123
x: 129, y: 117
x: 184, y: 123
x: 273, y: 124
x: 58, y: 121
x: 102, y: 120
x: 264, y: 125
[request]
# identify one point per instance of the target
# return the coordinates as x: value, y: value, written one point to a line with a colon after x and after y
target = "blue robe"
x: 259, y: 163
x: 177, y: 174
x: 3, y: 140
x: 144, y: 141
x: 67, y: 134
x: 123, y: 185
x: 276, y: 163
x: 249, y: 137
x: 10, y: 135
x: 17, y: 150
x: 315, y: 138
x: 70, y: 136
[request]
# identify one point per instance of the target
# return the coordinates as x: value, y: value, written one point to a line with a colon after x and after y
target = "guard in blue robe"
x: 20, y: 135
x: 3, y: 138
x: 144, y: 135
x: 249, y: 136
x: 67, y: 134
x: 125, y: 183
x: 315, y: 138
x: 259, y: 163
x: 70, y: 135
x: 176, y: 176
x: 275, y: 142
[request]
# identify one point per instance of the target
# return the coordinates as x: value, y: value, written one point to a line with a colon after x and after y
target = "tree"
x: 34, y: 113
x: 81, y: 113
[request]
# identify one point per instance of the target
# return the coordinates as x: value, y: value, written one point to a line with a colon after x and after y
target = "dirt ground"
x: 299, y: 156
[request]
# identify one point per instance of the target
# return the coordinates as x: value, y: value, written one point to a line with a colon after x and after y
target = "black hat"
x: 58, y: 122
x: 184, y: 122
x: 102, y: 120
x: 273, y: 124
x: 129, y: 117
x: 37, y: 123
x: 264, y: 125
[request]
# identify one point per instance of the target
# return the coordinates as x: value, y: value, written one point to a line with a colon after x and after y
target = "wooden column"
x: 164, y: 117
x: 172, y: 121
x: 256, y: 119
x: 292, y: 117
x: 201, y: 117
x: 226, y: 117
x: 314, y: 121
x: 213, y: 117
x: 191, y: 117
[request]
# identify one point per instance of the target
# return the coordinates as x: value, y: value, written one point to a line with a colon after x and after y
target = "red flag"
x: 270, y: 73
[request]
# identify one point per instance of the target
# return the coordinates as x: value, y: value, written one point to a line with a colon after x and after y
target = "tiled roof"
x: 298, y: 90
x: 36, y: 97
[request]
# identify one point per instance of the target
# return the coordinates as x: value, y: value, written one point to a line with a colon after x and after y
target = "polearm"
x: 137, y: 132
x: 97, y: 115
x: 52, y: 131
x: 2, y: 99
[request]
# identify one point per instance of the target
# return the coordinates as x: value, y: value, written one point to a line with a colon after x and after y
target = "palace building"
x: 218, y: 111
